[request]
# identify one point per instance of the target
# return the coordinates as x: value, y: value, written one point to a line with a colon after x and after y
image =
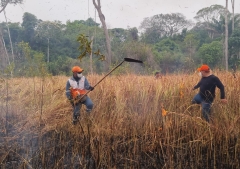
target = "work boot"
x: 74, y: 122
x: 88, y: 110
x: 75, y: 119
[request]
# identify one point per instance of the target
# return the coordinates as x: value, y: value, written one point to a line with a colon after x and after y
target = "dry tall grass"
x: 126, y: 128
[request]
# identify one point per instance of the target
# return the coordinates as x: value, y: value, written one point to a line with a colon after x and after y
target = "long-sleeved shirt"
x: 207, y: 88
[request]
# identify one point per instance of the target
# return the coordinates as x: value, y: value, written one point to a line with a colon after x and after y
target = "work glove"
x: 91, y: 88
x: 78, y: 96
x: 69, y: 98
x: 81, y: 98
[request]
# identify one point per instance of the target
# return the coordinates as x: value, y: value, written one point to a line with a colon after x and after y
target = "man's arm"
x: 197, y: 86
x: 221, y: 87
x: 87, y: 85
x: 68, y: 92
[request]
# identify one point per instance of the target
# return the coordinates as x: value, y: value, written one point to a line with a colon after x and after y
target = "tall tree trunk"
x: 9, y: 35
x: 232, y: 15
x: 4, y: 6
x: 4, y: 52
x: 48, y: 51
x: 102, y: 19
x: 226, y: 35
x: 3, y: 57
x: 91, y: 65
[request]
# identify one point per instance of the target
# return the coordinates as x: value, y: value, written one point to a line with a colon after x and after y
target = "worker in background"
x: 158, y: 75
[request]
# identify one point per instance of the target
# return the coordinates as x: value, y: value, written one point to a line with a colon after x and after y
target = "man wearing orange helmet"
x: 75, y: 88
x: 206, y: 95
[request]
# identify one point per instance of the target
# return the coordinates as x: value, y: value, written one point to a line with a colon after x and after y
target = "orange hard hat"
x: 204, y: 68
x: 77, y: 69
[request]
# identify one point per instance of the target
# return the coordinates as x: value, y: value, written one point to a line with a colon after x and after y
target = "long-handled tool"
x: 125, y: 60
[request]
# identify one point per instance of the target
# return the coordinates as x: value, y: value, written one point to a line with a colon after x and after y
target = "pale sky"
x: 118, y: 13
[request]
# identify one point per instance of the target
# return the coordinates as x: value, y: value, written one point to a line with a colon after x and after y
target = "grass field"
x: 126, y: 129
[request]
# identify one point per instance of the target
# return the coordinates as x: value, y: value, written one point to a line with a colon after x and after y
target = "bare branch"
x: 4, y: 6
x: 4, y: 3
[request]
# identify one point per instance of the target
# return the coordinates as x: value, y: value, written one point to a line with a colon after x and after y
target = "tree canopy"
x: 164, y: 42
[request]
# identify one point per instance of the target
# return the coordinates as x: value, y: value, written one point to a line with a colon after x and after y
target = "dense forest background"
x: 168, y: 43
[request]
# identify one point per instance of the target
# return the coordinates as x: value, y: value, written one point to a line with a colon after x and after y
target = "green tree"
x: 133, y: 34
x: 166, y: 45
x: 48, y: 31
x: 169, y: 61
x: 89, y: 22
x: 168, y: 56
x: 234, y: 21
x: 4, y: 57
x: 209, y: 14
x: 163, y: 25
x: 137, y: 50
x: 29, y: 24
x: 211, y: 53
x: 15, y: 31
x: 190, y: 45
x: 234, y: 46
x: 33, y: 63
x: 71, y: 31
x: 60, y: 66
x: 211, y: 19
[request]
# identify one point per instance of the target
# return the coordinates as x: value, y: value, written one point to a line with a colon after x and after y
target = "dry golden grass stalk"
x: 126, y: 125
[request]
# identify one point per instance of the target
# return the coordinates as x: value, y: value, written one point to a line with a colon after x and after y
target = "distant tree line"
x: 167, y: 43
